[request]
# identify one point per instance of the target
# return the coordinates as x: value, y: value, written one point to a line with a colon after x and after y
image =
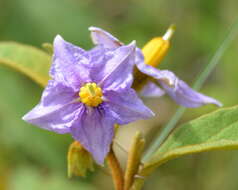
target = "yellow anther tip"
x: 91, y: 94
x: 169, y: 33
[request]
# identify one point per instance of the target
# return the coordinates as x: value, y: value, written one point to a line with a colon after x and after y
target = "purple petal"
x: 161, y: 75
x: 70, y: 63
x: 98, y: 58
x: 176, y: 88
x: 186, y: 96
x: 151, y: 90
x: 101, y: 37
x: 56, y: 110
x: 126, y: 107
x: 94, y: 129
x: 117, y: 72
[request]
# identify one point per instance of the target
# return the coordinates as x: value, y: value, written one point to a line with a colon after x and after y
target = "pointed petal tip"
x: 149, y: 113
x: 133, y: 43
x: 211, y: 101
x: 99, y: 159
x: 100, y: 162
x: 218, y: 104
x: 132, y: 46
x: 58, y: 40
x: 24, y: 117
x: 58, y: 37
x: 152, y: 114
x: 27, y: 117
x: 93, y: 28
x: 102, y: 37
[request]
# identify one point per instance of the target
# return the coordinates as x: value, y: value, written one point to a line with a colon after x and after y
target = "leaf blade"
x: 214, y: 131
x: 26, y: 59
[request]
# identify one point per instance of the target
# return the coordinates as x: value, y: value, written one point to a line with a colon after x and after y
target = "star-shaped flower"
x: 177, y: 89
x: 89, y: 93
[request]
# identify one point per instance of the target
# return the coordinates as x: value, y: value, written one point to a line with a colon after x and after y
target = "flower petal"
x: 186, y: 96
x: 117, y: 72
x: 56, y: 110
x: 98, y: 58
x: 94, y: 129
x: 70, y: 63
x: 179, y: 90
x: 151, y: 90
x: 126, y: 106
x: 101, y: 37
x: 176, y: 88
x: 161, y: 75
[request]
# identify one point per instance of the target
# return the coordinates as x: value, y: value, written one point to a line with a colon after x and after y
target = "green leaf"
x: 48, y: 48
x: 215, y: 131
x: 28, y: 60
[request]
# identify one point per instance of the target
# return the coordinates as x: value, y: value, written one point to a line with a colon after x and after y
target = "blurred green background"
x: 31, y: 158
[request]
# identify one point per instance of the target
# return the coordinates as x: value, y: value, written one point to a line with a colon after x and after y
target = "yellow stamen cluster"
x: 91, y: 94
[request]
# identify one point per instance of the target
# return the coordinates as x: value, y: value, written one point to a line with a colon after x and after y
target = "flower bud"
x: 79, y: 160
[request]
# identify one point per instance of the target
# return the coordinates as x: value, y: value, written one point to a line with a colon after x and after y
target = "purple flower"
x: 177, y: 89
x: 89, y: 93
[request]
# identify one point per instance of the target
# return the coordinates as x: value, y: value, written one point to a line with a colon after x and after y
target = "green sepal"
x: 79, y: 160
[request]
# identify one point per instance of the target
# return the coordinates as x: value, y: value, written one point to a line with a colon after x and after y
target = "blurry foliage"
x: 28, y: 179
x: 31, y: 158
x: 29, y: 60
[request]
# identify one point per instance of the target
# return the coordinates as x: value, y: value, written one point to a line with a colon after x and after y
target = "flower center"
x: 91, y: 94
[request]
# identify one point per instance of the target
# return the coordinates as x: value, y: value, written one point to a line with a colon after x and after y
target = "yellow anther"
x: 91, y: 94
x: 155, y: 50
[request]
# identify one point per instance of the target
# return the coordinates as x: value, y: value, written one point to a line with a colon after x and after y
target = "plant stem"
x: 116, y: 171
x: 197, y: 85
x: 133, y: 161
